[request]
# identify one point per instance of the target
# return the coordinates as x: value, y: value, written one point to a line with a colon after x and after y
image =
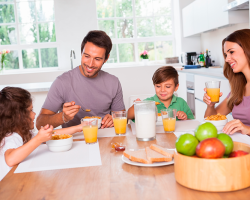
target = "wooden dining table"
x: 114, y: 179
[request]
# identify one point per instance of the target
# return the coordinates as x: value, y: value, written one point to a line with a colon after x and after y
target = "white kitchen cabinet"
x: 187, y: 20
x: 199, y: 84
x: 205, y: 15
x: 182, y: 91
x: 200, y: 108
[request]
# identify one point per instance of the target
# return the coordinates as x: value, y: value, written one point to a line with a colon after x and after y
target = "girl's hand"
x: 236, y: 126
x: 181, y: 115
x: 207, y: 98
x: 45, y: 133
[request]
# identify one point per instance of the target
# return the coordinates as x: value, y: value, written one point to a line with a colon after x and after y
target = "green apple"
x: 227, y: 141
x: 186, y: 144
x: 205, y: 130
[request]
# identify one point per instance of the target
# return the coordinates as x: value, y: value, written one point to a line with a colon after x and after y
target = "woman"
x: 236, y: 51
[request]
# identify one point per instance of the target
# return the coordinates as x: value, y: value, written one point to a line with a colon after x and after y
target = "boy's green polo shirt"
x: 177, y: 103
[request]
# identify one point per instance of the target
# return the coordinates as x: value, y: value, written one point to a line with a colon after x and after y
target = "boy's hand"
x: 181, y: 115
x: 45, y: 133
x: 137, y: 99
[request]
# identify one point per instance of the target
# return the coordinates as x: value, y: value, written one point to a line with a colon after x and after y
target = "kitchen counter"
x: 214, y: 72
x: 31, y: 87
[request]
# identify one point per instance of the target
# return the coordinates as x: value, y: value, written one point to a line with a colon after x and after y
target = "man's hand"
x: 45, y: 133
x: 107, y: 121
x: 236, y: 126
x: 181, y: 115
x: 70, y: 110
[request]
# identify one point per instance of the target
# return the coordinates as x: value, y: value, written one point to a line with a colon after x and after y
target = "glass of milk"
x: 145, y: 120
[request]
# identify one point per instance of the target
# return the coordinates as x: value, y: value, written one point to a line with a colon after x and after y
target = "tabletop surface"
x: 114, y: 179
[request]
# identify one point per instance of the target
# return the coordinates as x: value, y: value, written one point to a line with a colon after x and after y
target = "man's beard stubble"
x: 89, y: 67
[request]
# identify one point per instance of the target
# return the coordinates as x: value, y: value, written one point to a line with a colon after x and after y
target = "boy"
x: 165, y: 80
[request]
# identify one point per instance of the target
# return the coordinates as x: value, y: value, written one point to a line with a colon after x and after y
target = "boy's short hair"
x: 165, y: 73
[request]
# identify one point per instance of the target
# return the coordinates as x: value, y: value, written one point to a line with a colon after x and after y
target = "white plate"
x: 156, y: 164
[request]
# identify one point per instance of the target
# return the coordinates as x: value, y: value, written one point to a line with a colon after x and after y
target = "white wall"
x: 74, y: 19
x: 212, y: 41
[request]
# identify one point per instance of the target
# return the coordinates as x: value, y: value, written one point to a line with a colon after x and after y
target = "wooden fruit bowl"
x: 214, y: 175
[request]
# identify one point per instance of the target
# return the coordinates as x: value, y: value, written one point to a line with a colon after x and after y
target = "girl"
x: 236, y: 51
x: 16, y: 121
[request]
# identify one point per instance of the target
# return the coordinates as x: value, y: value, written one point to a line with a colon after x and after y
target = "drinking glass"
x: 120, y: 122
x: 193, y: 59
x: 90, y: 129
x: 213, y: 90
x: 169, y: 119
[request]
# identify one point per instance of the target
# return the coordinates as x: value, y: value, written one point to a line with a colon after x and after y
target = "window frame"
x: 39, y: 45
x: 135, y: 39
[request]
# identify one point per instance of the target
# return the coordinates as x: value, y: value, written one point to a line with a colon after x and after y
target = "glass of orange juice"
x: 169, y: 119
x: 120, y: 122
x: 90, y: 129
x: 213, y: 90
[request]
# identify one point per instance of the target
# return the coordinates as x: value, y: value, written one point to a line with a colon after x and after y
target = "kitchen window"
x: 27, y: 29
x: 135, y: 26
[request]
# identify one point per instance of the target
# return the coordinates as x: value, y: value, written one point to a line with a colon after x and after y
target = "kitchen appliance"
x: 186, y: 58
x: 145, y: 120
x: 237, y: 5
x: 190, y: 92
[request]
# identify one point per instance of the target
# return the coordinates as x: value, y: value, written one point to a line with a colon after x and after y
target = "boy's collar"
x: 174, y: 99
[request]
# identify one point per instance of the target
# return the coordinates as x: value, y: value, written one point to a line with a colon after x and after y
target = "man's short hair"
x: 164, y: 74
x: 100, y: 39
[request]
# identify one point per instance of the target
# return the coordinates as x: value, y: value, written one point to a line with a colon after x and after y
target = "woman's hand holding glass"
x: 207, y: 99
x: 236, y: 126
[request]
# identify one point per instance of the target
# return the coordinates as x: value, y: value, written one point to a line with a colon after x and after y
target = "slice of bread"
x: 154, y: 156
x: 163, y: 151
x: 137, y: 156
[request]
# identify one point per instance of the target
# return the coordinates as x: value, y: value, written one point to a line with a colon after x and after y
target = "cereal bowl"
x: 60, y: 145
x: 219, y: 124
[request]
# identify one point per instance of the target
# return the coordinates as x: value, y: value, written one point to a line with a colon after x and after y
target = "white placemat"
x: 106, y: 132
x: 180, y: 126
x: 80, y: 155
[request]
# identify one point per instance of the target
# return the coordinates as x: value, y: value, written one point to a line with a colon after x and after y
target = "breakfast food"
x: 157, y: 103
x: 163, y: 151
x: 60, y: 137
x: 137, y: 156
x: 149, y: 155
x: 216, y: 117
x: 154, y: 156
x: 88, y: 117
x: 87, y: 110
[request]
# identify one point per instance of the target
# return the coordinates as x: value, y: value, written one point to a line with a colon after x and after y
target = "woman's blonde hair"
x: 237, y: 80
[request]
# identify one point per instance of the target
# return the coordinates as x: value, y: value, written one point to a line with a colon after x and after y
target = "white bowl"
x: 219, y: 124
x: 60, y: 145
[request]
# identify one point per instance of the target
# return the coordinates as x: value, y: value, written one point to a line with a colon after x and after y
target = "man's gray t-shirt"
x: 101, y: 94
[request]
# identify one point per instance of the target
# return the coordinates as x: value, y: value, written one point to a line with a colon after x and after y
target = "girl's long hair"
x: 14, y: 113
x: 237, y: 80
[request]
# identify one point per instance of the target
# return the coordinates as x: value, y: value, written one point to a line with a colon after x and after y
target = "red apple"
x: 210, y: 148
x: 237, y: 153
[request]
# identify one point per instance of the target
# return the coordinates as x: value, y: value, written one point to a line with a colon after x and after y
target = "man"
x: 85, y: 90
